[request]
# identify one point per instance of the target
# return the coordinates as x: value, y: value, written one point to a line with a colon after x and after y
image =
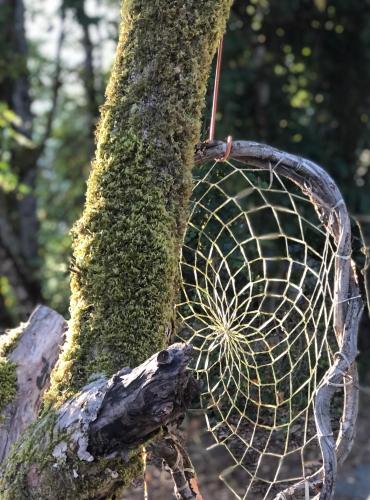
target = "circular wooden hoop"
x: 324, y: 194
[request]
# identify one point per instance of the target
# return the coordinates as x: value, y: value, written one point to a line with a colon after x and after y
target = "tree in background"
x: 19, y: 225
x: 296, y: 76
x: 28, y: 79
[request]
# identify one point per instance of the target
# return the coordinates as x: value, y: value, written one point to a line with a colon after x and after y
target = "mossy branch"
x: 126, y: 244
x: 27, y: 356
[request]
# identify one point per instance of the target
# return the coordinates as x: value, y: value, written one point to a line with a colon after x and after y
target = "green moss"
x: 32, y: 472
x: 127, y: 241
x: 8, y: 382
x: 8, y: 376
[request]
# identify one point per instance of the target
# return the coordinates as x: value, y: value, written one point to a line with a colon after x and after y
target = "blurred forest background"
x: 296, y: 75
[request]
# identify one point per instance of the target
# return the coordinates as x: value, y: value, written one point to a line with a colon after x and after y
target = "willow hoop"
x: 317, y: 185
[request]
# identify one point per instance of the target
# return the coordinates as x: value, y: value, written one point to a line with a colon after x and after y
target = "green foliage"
x: 9, y: 121
x: 127, y: 240
x: 60, y: 193
x: 296, y: 76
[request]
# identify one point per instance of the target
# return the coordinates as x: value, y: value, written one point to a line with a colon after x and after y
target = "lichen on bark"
x: 53, y: 461
x: 44, y: 466
x: 89, y: 447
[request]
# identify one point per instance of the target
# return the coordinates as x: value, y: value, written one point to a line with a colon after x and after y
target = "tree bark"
x: 87, y: 448
x: 126, y: 248
x: 126, y: 243
x: 33, y: 357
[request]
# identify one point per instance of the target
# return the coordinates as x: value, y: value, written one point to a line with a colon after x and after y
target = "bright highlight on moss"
x: 126, y: 244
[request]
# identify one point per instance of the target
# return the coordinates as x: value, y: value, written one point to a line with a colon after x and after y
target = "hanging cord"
x: 212, y: 127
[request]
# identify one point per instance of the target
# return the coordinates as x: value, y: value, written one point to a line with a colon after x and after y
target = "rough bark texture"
x: 32, y: 351
x: 317, y: 184
x: 126, y: 243
x: 87, y: 448
x: 178, y: 461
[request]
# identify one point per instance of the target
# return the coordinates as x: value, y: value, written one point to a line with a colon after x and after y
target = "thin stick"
x: 215, y: 92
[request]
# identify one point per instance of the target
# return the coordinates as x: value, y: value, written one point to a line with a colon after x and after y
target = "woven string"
x: 256, y: 302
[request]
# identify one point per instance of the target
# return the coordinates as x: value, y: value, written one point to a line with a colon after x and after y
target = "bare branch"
x: 55, y: 86
x: 37, y: 349
x: 174, y: 454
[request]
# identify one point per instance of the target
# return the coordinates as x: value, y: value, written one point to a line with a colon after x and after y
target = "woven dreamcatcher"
x: 271, y: 304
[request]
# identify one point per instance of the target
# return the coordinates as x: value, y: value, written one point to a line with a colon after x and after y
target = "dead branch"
x: 170, y: 449
x: 105, y: 423
x: 36, y: 352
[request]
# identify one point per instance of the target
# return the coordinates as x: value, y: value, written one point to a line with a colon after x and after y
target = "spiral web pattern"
x: 256, y: 303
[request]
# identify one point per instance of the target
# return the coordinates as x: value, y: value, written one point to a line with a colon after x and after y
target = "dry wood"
x: 35, y: 355
x: 137, y: 403
x: 107, y: 419
x: 172, y: 451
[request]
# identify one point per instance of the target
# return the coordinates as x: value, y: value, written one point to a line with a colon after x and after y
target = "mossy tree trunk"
x: 127, y: 240
x: 126, y: 243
